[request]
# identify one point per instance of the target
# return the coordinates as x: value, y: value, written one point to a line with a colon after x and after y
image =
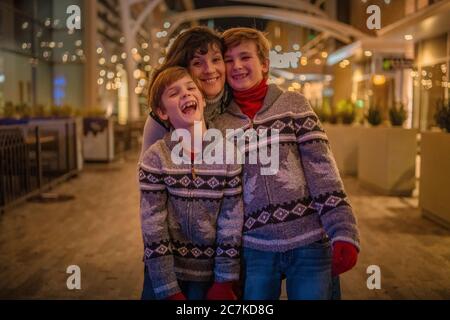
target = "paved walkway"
x: 99, y: 231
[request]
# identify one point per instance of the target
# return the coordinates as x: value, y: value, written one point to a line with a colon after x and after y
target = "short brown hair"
x: 194, y: 40
x: 164, y: 79
x: 234, y: 36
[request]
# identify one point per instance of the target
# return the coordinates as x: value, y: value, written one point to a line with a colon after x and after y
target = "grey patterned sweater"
x: 305, y: 200
x: 191, y: 218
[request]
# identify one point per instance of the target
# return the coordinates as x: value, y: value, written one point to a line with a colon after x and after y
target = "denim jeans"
x: 307, y: 270
x: 193, y: 290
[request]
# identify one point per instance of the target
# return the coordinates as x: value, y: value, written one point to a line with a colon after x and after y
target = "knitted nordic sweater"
x: 191, y: 218
x: 305, y: 199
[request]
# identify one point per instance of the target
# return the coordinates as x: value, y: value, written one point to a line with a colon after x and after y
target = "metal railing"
x: 34, y: 157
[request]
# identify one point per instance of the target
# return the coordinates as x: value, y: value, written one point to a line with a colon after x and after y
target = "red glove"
x: 177, y: 296
x: 345, y: 256
x: 221, y: 291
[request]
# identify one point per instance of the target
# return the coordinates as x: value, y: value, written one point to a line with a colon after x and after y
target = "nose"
x: 185, y: 93
x: 208, y: 67
x: 237, y: 64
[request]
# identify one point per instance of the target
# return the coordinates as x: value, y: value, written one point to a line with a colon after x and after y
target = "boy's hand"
x: 221, y: 291
x: 177, y: 296
x: 345, y: 256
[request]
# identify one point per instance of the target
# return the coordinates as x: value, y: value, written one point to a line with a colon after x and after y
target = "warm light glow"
x: 324, y: 54
x: 368, y: 53
x: 99, y: 50
x: 304, y: 61
x: 101, y: 61
x: 137, y: 74
x: 379, y: 79
x: 317, y: 61
x: 296, y: 85
x: 408, y: 37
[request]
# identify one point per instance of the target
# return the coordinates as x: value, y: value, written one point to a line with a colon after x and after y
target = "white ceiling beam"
x: 289, y: 4
x: 335, y: 29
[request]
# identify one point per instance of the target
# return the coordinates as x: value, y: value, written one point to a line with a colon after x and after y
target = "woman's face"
x: 209, y: 70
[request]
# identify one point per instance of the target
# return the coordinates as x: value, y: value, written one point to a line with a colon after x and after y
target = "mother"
x: 200, y: 50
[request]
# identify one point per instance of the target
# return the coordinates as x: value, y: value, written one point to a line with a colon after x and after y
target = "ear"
x: 161, y: 114
x: 265, y: 66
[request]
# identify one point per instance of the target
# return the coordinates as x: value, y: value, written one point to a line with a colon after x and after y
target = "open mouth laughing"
x: 189, y: 107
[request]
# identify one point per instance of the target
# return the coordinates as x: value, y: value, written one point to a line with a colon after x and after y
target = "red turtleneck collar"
x: 251, y: 100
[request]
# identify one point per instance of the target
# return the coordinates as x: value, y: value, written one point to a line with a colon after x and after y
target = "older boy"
x: 191, y: 214
x: 290, y: 215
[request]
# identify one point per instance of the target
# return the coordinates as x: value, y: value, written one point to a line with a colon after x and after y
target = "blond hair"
x: 234, y: 36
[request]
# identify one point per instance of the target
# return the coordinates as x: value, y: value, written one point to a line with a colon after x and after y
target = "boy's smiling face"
x: 183, y: 103
x: 244, y: 68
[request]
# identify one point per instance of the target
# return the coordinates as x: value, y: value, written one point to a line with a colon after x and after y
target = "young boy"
x: 290, y: 215
x: 191, y: 213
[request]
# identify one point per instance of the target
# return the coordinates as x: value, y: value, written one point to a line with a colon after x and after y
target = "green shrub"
x: 9, y: 110
x: 346, y: 112
x: 442, y: 115
x: 374, y: 116
x: 397, y: 115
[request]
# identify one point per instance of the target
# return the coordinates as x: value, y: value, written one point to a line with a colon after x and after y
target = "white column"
x: 90, y: 67
x: 130, y: 65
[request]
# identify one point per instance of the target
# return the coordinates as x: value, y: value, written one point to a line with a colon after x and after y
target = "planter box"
x: 386, y: 160
x: 98, y: 139
x: 434, y: 188
x: 344, y: 144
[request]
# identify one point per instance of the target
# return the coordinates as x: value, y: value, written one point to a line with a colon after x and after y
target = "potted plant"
x: 347, y: 112
x: 374, y: 116
x: 397, y: 115
x: 343, y: 137
x: 435, y: 168
x: 442, y: 115
x: 387, y: 156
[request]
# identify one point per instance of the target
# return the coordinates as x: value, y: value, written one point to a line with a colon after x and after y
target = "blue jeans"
x: 307, y: 270
x: 193, y: 290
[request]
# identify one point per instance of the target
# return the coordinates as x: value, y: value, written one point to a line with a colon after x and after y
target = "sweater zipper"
x: 264, y: 177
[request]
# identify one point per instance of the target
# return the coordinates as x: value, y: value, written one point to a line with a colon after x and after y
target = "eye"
x: 196, y: 63
x: 228, y: 60
x: 217, y: 59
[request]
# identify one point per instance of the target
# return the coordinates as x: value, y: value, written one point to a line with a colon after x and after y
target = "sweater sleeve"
x: 153, y: 212
x: 229, y: 228
x: 323, y: 180
x: 153, y: 131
